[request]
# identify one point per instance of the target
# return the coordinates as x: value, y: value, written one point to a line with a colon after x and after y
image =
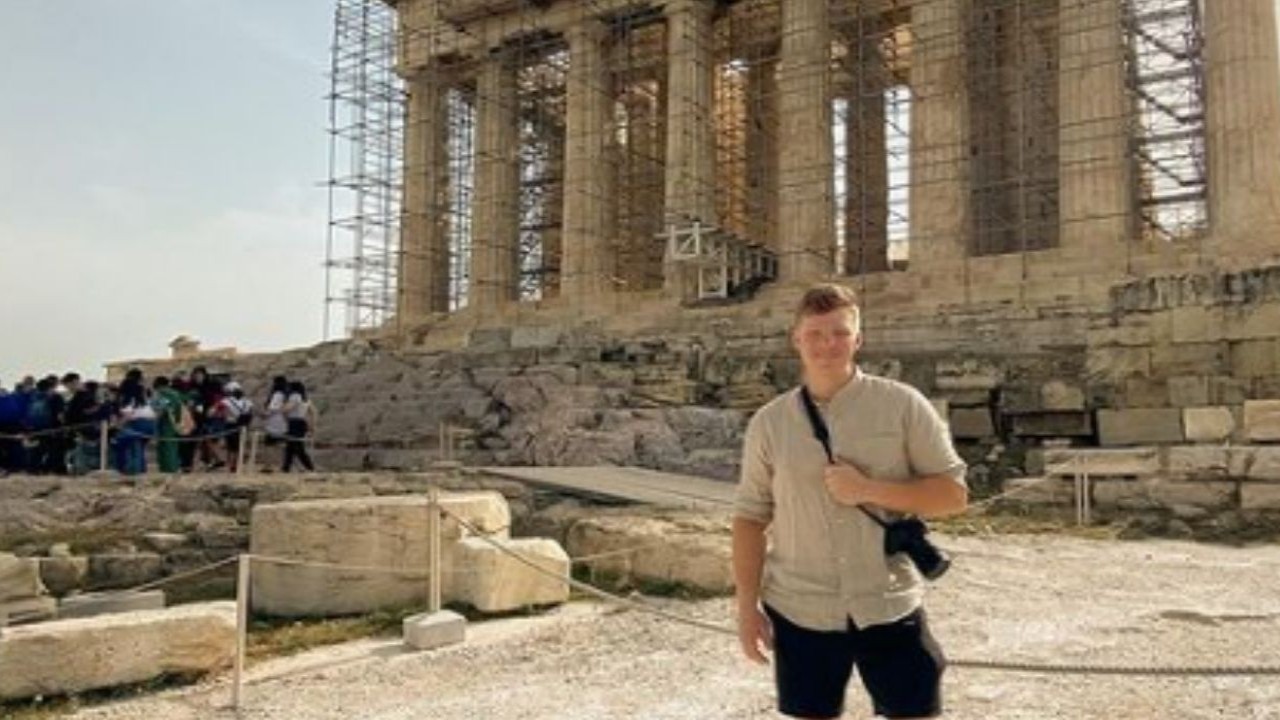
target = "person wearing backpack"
x: 236, y: 412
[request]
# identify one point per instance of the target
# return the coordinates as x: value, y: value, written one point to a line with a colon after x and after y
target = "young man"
x: 823, y: 596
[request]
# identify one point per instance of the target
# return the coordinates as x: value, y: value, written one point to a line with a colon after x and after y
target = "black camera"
x: 909, y: 536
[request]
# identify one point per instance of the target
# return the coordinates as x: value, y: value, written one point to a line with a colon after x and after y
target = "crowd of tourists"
x: 181, y: 423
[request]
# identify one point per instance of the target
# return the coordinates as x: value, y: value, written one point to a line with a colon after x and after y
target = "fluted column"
x: 495, y: 219
x: 806, y: 157
x: 762, y: 153
x: 1243, y: 98
x: 588, y: 247
x: 866, y: 161
x: 1095, y: 168
x: 939, y: 195
x: 424, y: 240
x: 690, y: 157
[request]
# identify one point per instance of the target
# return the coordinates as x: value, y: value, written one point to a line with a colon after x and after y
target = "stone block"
x: 19, y: 578
x: 386, y: 533
x: 1190, y: 359
x: 91, y: 604
x: 1208, y: 424
x: 536, y: 336
x: 1255, y: 358
x: 494, y: 581
x: 1052, y: 424
x: 971, y: 423
x: 1262, y: 420
x: 1188, y: 391
x: 118, y: 571
x: 62, y: 575
x: 1040, y: 491
x: 163, y: 542
x: 1102, y: 463
x: 1225, y: 390
x: 429, y: 631
x: 1146, y: 392
x: 1060, y: 395
x: 1197, y: 324
x: 968, y: 374
x: 1123, y: 494
x: 1146, y: 426
x: 1264, y: 464
x: 967, y: 398
x: 1113, y: 364
x: 1161, y: 493
x: 1260, y: 496
x: 692, y: 552
x: 1198, y: 462
x: 1211, y: 495
x: 26, y: 610
x: 1250, y: 322
x: 74, y: 656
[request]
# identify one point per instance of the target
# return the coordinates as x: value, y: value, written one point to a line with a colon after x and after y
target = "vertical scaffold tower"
x: 366, y: 138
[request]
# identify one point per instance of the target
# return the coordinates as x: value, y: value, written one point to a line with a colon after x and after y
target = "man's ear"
x: 857, y: 342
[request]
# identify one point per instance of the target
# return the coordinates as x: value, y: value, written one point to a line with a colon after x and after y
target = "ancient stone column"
x: 587, y: 259
x: 939, y: 195
x: 495, y: 219
x: 762, y: 154
x: 1243, y: 115
x: 1095, y: 169
x: 424, y: 237
x: 866, y: 161
x: 806, y: 156
x: 691, y: 161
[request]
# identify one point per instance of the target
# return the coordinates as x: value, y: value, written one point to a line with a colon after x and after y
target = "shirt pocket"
x: 881, y: 456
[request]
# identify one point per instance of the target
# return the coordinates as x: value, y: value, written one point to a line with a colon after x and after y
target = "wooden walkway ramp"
x: 626, y: 483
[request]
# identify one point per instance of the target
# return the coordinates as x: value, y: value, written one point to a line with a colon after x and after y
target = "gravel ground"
x: 1008, y: 598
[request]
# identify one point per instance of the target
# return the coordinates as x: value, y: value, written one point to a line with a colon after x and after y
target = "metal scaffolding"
x: 366, y: 159
x: 706, y: 93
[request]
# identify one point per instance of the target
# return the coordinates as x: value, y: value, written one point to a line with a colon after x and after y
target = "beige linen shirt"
x: 825, y: 562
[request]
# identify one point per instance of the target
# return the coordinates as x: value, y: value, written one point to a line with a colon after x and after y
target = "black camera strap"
x: 823, y: 434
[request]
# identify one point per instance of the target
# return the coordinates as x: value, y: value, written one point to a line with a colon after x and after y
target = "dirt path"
x: 1008, y: 598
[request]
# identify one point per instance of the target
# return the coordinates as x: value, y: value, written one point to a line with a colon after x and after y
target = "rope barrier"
x: 1007, y: 666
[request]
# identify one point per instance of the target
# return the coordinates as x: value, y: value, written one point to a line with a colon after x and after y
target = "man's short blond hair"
x: 827, y: 297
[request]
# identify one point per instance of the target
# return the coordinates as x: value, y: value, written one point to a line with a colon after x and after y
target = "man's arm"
x: 753, y: 508
x: 754, y: 633
x: 930, y: 496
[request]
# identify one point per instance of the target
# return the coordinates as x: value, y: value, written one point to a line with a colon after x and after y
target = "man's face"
x: 827, y: 343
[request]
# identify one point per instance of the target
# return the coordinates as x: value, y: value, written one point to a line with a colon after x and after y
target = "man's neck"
x: 825, y: 386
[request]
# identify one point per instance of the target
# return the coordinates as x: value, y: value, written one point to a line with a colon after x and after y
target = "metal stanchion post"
x: 240, y: 450
x: 434, y: 628
x: 242, y: 629
x: 103, y: 447
x: 433, y: 550
x: 253, y: 450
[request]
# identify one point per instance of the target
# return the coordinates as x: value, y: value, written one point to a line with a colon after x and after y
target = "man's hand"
x: 847, y: 484
x: 755, y: 633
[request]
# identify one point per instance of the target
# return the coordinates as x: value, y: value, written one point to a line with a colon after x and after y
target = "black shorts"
x: 900, y: 664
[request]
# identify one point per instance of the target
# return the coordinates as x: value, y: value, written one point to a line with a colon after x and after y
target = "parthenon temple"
x: 561, y: 152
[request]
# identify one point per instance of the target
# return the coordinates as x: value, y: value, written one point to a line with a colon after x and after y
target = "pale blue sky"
x: 161, y: 165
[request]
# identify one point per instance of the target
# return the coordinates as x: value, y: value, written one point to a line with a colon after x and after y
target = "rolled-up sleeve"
x: 929, y: 447
x: 754, y: 497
